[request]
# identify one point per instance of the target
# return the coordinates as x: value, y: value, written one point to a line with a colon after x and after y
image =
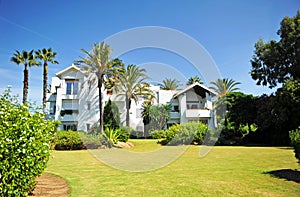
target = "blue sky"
x: 226, y: 29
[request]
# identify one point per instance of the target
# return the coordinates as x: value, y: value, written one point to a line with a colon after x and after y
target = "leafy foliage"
x: 155, y: 117
x: 111, y: 115
x: 132, y: 85
x: 98, y: 61
x: 224, y: 86
x: 276, y: 61
x: 170, y: 84
x: 193, y: 80
x: 25, y: 141
x: 113, y: 136
x: 295, y: 139
x: 92, y: 141
x: 178, y: 134
x: 133, y: 134
x: 46, y: 55
x: 68, y: 140
x: 277, y: 114
x: 28, y: 59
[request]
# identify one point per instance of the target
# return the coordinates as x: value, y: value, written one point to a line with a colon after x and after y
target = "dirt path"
x: 49, y: 185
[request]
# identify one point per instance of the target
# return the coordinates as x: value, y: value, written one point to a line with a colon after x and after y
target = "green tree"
x: 193, y: 80
x: 111, y: 115
x: 46, y: 55
x: 132, y: 85
x: 241, y: 111
x: 155, y: 117
x: 275, y: 61
x: 28, y: 59
x: 224, y: 86
x: 170, y: 84
x: 98, y: 61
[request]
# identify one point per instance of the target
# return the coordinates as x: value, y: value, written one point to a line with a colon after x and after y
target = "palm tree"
x: 28, y: 59
x: 132, y: 85
x: 170, y: 84
x: 224, y: 86
x: 98, y: 61
x: 193, y: 80
x: 46, y: 55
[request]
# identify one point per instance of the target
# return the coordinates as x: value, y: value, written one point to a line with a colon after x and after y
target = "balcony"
x: 69, y: 96
x: 174, y: 115
x: 198, y: 113
x: 69, y: 117
x: 51, y: 97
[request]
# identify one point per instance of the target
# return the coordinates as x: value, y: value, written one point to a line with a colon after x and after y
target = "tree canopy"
x: 170, y: 84
x: 274, y: 62
x: 193, y: 80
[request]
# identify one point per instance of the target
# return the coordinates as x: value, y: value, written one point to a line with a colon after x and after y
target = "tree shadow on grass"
x: 287, y: 174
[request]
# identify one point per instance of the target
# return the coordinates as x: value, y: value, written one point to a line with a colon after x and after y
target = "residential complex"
x: 74, y: 101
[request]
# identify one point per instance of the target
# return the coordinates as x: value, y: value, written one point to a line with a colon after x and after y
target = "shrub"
x: 295, y: 140
x: 91, y: 141
x: 25, y: 140
x: 123, y: 135
x: 68, y: 140
x: 111, y: 115
x: 113, y: 136
x: 192, y: 132
x: 133, y: 134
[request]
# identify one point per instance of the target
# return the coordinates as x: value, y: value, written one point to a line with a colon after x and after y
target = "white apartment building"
x: 74, y: 101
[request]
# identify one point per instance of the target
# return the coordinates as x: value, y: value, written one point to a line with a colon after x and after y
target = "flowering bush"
x: 25, y: 141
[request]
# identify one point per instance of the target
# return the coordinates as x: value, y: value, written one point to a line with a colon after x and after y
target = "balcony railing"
x: 198, y: 113
x: 174, y: 115
x: 70, y: 96
x: 69, y: 117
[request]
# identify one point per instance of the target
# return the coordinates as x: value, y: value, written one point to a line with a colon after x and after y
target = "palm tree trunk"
x: 45, y: 79
x: 127, y: 110
x: 100, y: 103
x: 25, y: 84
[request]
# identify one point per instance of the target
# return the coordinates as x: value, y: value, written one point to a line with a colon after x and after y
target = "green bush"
x: 25, y: 140
x: 192, y: 132
x: 68, y: 140
x: 295, y: 140
x: 123, y: 135
x: 133, y: 134
x: 91, y: 141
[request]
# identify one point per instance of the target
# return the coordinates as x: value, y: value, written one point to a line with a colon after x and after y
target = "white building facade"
x: 74, y: 101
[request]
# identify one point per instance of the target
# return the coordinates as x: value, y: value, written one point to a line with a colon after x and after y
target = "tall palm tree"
x: 98, y: 61
x: 170, y: 84
x: 224, y: 86
x: 46, y: 55
x: 193, y: 80
x: 132, y: 85
x: 28, y: 59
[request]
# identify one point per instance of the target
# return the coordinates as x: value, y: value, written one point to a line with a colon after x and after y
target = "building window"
x: 72, y: 86
x: 72, y: 127
x: 192, y: 105
x: 89, y: 84
x: 52, y: 110
x: 88, y: 127
x: 176, y: 108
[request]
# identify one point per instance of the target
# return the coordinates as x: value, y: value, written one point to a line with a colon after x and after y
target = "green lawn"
x: 225, y: 171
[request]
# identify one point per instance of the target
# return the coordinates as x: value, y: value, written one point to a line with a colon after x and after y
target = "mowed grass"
x: 225, y: 171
